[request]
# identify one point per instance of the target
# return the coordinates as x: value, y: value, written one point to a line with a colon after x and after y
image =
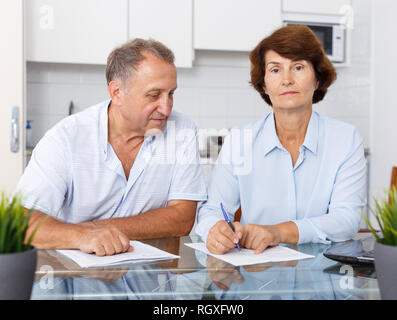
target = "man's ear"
x: 115, y: 91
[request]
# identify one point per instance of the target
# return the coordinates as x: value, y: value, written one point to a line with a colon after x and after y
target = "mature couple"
x: 118, y: 171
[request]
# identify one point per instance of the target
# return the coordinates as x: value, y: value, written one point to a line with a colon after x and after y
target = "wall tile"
x: 234, y: 121
x: 37, y: 72
x: 89, y: 95
x: 60, y: 95
x: 212, y: 102
x: 185, y: 101
x: 356, y: 75
x: 37, y: 109
x: 64, y: 73
x: 93, y: 74
x: 214, y: 123
x: 37, y: 94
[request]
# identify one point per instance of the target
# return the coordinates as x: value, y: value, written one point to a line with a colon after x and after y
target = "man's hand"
x: 103, y: 241
x: 221, y: 237
x: 258, y: 237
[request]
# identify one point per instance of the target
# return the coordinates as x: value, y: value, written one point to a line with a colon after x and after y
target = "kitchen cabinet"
x: 332, y: 7
x: 74, y: 31
x: 168, y: 21
x: 234, y: 25
x: 11, y: 93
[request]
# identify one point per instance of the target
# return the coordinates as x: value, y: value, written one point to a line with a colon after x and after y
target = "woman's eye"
x: 299, y: 68
x: 275, y: 70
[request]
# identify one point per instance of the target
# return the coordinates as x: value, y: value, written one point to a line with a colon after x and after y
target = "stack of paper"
x: 142, y: 253
x: 248, y: 257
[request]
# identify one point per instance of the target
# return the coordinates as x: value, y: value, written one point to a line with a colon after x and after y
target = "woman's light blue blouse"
x: 324, y: 193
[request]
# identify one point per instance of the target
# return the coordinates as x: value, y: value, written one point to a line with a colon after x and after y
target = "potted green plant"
x: 17, y: 256
x: 386, y: 244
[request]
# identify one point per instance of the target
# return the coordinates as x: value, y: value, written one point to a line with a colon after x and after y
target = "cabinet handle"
x: 14, y: 143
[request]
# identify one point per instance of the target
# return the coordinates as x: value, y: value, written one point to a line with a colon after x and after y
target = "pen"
x: 229, y: 223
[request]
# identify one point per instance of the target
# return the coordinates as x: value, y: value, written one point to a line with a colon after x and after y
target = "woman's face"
x: 289, y: 84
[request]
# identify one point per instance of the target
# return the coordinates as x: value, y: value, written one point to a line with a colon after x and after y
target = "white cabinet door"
x: 11, y: 93
x: 168, y: 21
x: 234, y: 24
x: 74, y: 31
x: 316, y: 6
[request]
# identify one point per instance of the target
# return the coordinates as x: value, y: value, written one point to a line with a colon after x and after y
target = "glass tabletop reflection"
x: 197, y: 276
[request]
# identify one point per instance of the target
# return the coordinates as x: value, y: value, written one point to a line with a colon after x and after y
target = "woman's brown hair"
x: 295, y: 42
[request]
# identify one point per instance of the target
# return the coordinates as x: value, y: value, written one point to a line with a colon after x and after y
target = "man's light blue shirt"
x: 74, y: 174
x: 324, y: 193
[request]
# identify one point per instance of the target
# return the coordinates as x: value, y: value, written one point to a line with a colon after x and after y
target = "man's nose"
x: 165, y: 106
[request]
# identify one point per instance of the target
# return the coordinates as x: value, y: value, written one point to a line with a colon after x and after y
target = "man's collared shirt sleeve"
x: 46, y: 179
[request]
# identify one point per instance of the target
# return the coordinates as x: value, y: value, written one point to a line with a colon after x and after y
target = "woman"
x: 302, y: 178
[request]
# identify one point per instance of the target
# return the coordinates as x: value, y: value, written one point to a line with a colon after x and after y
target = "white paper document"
x: 247, y: 256
x: 142, y: 253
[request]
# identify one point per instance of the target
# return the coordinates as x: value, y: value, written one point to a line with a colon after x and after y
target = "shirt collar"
x: 271, y: 140
x: 270, y: 135
x: 311, y: 138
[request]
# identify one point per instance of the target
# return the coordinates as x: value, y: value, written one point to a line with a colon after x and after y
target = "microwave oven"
x: 332, y: 36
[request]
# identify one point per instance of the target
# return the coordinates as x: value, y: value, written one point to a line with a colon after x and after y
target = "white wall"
x: 215, y: 93
x: 383, y: 124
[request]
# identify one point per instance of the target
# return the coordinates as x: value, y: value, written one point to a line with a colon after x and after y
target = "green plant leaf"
x: 385, y: 214
x: 373, y: 231
x: 14, y: 224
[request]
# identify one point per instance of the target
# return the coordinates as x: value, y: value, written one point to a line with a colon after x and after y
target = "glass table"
x: 196, y: 276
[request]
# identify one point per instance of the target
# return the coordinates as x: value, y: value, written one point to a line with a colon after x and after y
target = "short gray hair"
x: 126, y: 58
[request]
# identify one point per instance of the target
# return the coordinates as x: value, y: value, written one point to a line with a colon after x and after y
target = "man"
x: 124, y: 169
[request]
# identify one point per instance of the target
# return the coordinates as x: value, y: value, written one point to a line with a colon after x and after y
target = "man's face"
x: 146, y: 99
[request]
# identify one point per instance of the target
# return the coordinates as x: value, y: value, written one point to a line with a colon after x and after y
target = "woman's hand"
x: 258, y: 237
x: 221, y: 237
x: 223, y: 274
